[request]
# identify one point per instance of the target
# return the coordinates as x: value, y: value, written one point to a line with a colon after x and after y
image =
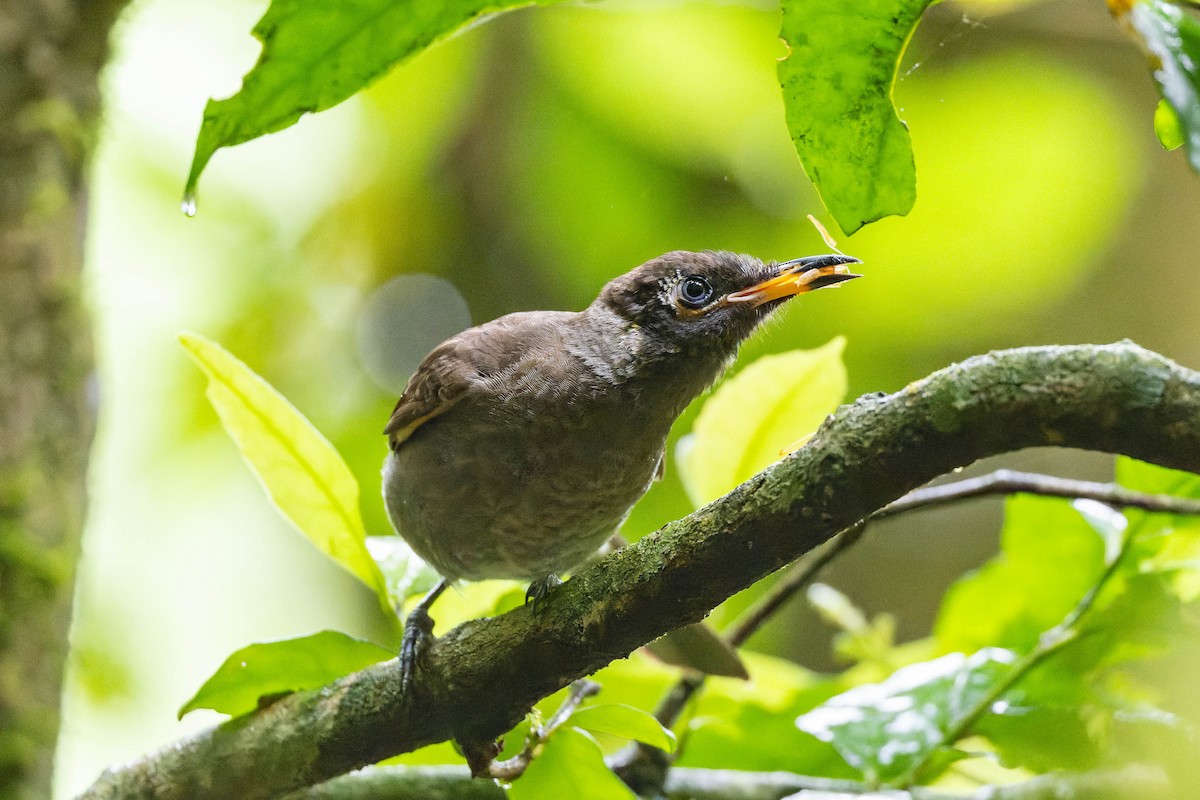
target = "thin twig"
x: 754, y: 617
x: 789, y: 585
x: 512, y: 768
x: 1005, y: 481
x: 479, y: 679
x: 645, y: 767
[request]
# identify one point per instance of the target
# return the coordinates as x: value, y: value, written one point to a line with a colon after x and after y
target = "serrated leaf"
x: 300, y: 470
x: 627, y: 722
x: 571, y: 765
x: 885, y: 729
x: 315, y: 55
x: 837, y: 93
x: 1172, y: 38
x: 754, y: 415
x: 291, y: 665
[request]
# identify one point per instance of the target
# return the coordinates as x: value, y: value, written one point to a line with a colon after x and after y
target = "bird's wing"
x: 460, y: 365
x: 439, y: 383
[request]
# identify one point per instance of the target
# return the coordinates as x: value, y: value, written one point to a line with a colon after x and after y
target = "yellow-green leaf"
x: 303, y: 474
x: 1167, y: 127
x: 756, y: 416
x: 268, y: 669
x: 625, y: 721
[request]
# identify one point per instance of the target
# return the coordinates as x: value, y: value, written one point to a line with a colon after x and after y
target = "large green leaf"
x: 1172, y: 38
x: 317, y: 53
x: 886, y: 729
x: 291, y: 665
x: 1167, y: 543
x: 837, y: 92
x: 627, y: 722
x: 303, y: 474
x: 755, y: 415
x: 571, y: 765
x: 1050, y: 556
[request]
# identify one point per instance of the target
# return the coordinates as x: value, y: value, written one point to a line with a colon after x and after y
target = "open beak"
x: 796, y: 277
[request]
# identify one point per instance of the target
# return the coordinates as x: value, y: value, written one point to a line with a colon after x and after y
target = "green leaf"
x: 1165, y: 542
x: 1153, y: 479
x: 885, y: 729
x: 1106, y: 521
x: 477, y: 600
x: 837, y: 93
x: 627, y: 722
x: 291, y: 665
x: 317, y: 54
x: 403, y: 570
x: 571, y: 765
x: 758, y: 413
x: 1172, y: 38
x: 735, y: 724
x: 1050, y: 556
x: 301, y: 471
x: 1167, y: 127
x: 860, y: 640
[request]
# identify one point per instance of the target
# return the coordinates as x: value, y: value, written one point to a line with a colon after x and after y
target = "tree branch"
x: 1004, y: 481
x: 479, y: 679
x: 455, y: 783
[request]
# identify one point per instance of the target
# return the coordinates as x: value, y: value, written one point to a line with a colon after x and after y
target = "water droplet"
x: 188, y: 206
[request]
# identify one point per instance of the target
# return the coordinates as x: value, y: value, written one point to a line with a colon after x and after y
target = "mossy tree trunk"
x: 51, y: 54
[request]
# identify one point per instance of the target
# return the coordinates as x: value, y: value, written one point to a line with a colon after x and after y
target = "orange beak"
x: 796, y: 277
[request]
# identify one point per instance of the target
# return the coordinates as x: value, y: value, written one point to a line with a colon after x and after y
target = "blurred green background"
x: 521, y: 165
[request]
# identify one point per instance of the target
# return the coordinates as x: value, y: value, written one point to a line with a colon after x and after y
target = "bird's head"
x: 712, y: 300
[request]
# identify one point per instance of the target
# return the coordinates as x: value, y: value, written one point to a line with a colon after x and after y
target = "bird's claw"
x: 540, y: 588
x: 418, y: 633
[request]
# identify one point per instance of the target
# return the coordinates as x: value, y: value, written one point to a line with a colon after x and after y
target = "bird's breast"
x: 519, y: 485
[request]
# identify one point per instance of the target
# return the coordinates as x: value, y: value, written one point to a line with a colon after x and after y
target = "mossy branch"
x: 478, y: 680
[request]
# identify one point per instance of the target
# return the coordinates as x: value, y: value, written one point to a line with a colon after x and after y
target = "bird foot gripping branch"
x: 519, y: 446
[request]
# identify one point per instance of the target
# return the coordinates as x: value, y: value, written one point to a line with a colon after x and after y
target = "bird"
x: 519, y: 446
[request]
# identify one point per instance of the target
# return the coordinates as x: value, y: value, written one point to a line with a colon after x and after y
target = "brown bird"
x: 520, y: 445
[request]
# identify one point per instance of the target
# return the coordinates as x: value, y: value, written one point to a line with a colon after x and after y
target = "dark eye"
x: 694, y: 291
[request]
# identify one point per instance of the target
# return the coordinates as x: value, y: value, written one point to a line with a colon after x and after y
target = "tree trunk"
x: 51, y: 53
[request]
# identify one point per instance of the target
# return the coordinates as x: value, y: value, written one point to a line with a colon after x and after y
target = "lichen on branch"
x: 479, y: 679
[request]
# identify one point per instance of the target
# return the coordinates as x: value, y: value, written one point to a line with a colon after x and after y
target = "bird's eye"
x: 694, y: 291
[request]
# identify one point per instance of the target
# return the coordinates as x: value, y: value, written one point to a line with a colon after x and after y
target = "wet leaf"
x: 1172, y: 38
x: 315, y: 55
x: 885, y: 729
x: 837, y: 92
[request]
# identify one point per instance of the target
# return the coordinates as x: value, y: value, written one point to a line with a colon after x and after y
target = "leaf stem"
x: 1050, y: 642
x: 645, y: 766
x: 512, y: 768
